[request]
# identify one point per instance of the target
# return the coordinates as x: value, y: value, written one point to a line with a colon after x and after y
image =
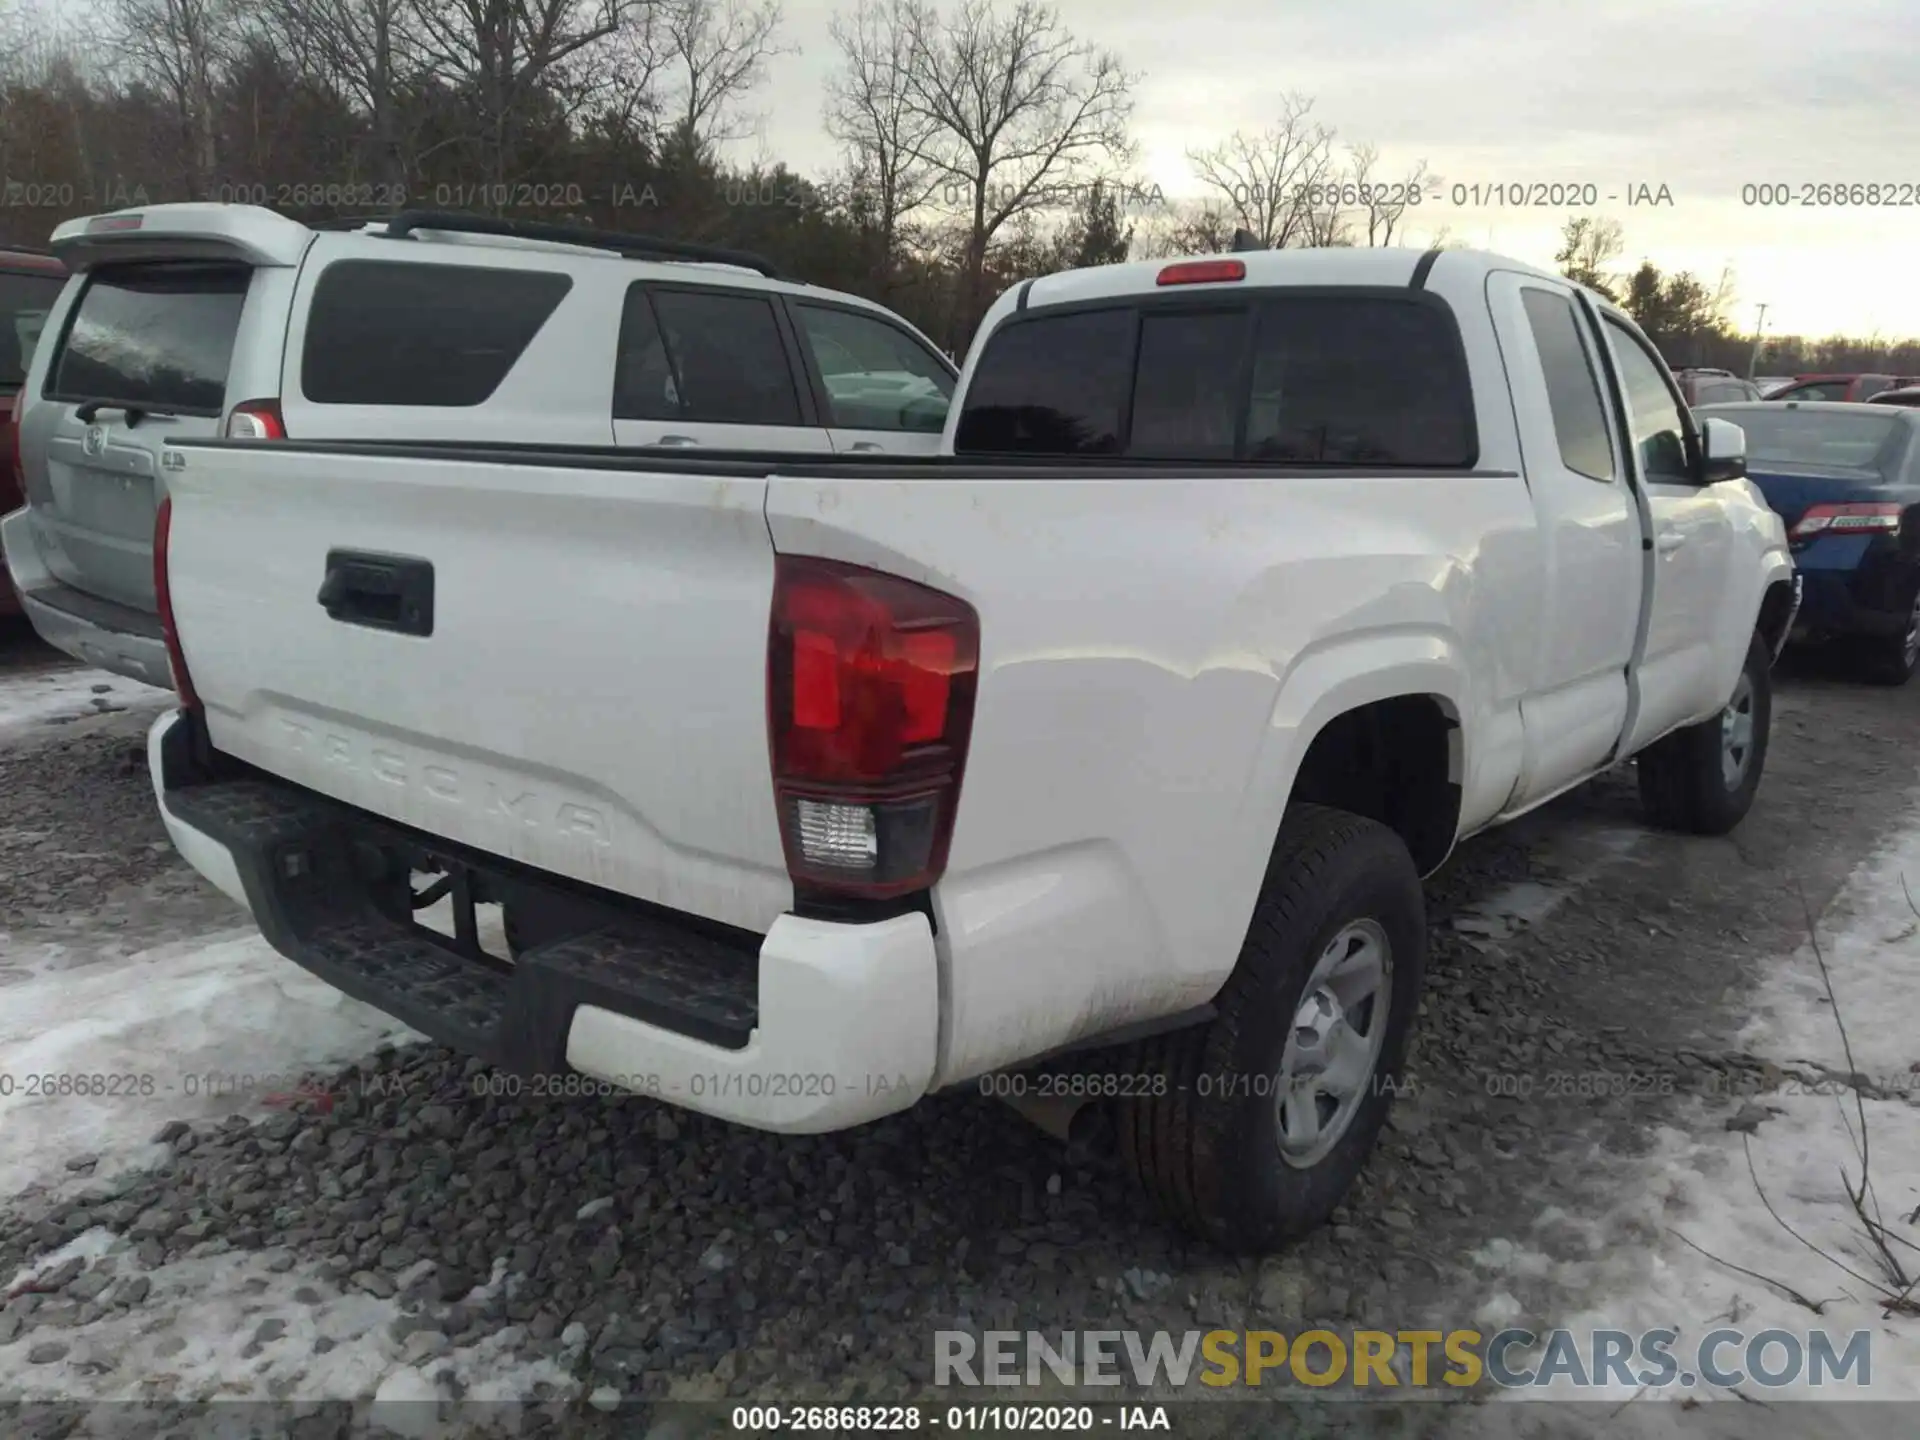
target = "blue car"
x: 1846, y: 480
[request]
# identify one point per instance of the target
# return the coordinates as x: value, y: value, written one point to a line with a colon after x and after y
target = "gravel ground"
x: 654, y: 1251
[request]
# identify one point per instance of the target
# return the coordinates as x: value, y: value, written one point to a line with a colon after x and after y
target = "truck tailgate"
x: 590, y: 697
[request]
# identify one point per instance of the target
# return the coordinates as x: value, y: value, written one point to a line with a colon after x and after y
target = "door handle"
x: 860, y: 446
x: 1670, y: 541
x: 677, y: 441
x: 382, y: 592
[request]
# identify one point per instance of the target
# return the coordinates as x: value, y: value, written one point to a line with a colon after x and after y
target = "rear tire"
x: 1702, y: 779
x: 1892, y: 659
x: 1271, y: 1108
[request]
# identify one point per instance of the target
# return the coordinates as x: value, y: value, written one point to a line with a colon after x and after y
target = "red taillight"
x: 870, y: 684
x: 1874, y: 518
x: 1202, y: 272
x: 256, y: 420
x: 163, y: 602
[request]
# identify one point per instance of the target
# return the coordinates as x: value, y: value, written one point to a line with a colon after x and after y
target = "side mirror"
x: 1723, y: 451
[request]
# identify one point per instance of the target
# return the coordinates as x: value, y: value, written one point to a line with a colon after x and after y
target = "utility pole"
x: 1753, y: 358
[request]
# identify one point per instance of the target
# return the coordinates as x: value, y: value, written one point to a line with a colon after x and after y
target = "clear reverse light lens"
x: 842, y: 836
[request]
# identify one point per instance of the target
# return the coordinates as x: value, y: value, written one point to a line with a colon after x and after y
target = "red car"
x: 1840, y: 387
x: 29, y: 283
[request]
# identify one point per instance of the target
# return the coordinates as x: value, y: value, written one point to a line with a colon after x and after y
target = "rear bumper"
x: 821, y: 1027
x: 1874, y: 602
x: 115, y: 638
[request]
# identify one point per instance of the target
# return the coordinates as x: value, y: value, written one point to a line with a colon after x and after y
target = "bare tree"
x: 1019, y: 113
x: 504, y: 53
x: 1588, y: 247
x: 1271, y: 183
x: 366, y: 51
x: 719, y: 50
x: 182, y: 49
x: 634, y: 58
x: 868, y: 112
x: 1382, y: 203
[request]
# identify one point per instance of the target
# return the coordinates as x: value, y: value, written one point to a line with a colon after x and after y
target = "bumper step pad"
x: 300, y: 858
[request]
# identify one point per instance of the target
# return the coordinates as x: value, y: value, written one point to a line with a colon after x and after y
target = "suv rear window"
x: 1335, y: 379
x: 24, y: 303
x: 153, y: 337
x: 381, y: 332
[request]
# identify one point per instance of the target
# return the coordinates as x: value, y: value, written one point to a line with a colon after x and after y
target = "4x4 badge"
x: 96, y: 439
x: 172, y: 460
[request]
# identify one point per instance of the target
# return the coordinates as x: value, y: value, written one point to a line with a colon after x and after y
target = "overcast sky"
x: 1702, y: 96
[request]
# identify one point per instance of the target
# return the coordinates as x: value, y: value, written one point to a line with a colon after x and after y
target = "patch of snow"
x: 1719, y: 1198
x: 194, y: 1338
x: 181, y: 1031
x: 44, y: 698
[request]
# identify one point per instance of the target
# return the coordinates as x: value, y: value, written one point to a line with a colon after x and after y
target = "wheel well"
x: 1393, y: 761
x: 1775, y: 606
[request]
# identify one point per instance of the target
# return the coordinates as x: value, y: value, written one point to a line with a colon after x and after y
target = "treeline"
x: 980, y: 141
x: 1691, y: 319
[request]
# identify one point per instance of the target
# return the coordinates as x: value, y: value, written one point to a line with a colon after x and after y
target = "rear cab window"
x: 152, y: 337
x: 25, y: 302
x: 1361, y: 377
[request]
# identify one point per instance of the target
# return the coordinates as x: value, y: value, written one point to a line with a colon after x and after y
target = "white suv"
x: 426, y: 327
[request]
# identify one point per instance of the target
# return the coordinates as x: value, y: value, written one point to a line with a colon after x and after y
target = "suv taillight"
x: 256, y: 420
x: 870, y: 686
x: 163, y: 602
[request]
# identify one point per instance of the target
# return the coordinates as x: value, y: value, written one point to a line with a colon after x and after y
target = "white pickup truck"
x: 1242, y: 589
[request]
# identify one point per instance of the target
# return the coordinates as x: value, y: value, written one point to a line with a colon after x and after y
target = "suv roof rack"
x: 634, y: 247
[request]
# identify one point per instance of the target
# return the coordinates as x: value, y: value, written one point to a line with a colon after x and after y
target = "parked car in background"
x: 1840, y: 387
x: 1713, y: 387
x: 1846, y: 480
x: 1770, y: 383
x: 1240, y: 590
x: 432, y: 328
x: 1903, y: 395
x: 30, y: 282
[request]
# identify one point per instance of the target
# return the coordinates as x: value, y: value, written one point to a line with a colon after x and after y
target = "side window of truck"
x: 1654, y: 417
x: 383, y: 332
x: 1573, y: 390
x: 719, y: 359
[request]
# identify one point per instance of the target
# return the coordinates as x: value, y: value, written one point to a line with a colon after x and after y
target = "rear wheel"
x: 1269, y: 1110
x: 1892, y: 659
x: 1703, y: 779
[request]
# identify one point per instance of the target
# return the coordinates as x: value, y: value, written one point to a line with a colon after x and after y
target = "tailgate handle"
x: 382, y: 592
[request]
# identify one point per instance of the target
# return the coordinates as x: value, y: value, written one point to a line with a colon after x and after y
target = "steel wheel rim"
x: 1339, y: 1029
x: 1736, y: 734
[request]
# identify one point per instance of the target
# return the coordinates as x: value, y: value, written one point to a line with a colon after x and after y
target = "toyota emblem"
x: 96, y: 440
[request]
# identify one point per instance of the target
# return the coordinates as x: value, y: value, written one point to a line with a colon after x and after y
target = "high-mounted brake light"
x: 870, y: 685
x: 256, y: 420
x: 1201, y: 272
x: 102, y: 223
x: 1875, y: 518
x: 163, y: 602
